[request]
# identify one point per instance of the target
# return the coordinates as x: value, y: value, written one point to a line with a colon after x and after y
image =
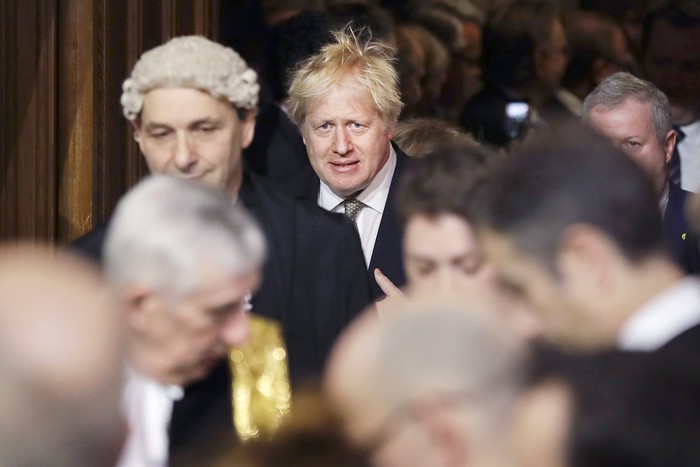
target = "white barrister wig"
x: 191, y: 62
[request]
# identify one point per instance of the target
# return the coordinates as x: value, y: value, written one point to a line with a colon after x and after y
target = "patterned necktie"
x: 674, y: 167
x: 353, y: 208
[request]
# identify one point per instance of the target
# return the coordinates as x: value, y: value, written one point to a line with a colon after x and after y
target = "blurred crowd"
x: 386, y: 233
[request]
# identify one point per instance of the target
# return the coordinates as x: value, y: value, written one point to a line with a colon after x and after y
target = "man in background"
x: 192, y: 103
x: 671, y: 60
x: 598, y: 49
x: 346, y: 101
x: 574, y: 230
x: 636, y: 116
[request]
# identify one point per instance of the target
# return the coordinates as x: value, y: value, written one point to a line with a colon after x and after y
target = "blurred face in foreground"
x: 566, y: 306
x: 184, y: 335
x: 441, y: 255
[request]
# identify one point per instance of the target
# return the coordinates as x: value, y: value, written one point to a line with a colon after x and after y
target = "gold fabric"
x: 261, y: 390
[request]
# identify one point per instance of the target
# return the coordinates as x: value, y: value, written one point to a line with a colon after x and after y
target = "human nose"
x: 236, y: 329
x: 445, y: 281
x: 185, y: 155
x: 341, y: 141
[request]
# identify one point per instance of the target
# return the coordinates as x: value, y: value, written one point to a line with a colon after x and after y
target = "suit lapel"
x: 278, y: 225
x: 387, y: 254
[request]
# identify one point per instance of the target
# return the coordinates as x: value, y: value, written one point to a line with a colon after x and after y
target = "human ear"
x: 140, y: 304
x: 584, y: 257
x: 248, y: 128
x: 669, y: 145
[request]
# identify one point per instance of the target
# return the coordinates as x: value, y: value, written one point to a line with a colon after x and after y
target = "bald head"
x: 388, y: 374
x: 60, y: 361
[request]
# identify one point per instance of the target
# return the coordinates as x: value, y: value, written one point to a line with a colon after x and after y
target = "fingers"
x: 388, y: 287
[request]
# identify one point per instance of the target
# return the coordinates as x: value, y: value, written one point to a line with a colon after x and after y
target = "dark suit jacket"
x: 314, y: 283
x: 682, y: 355
x: 687, y: 341
x: 277, y: 150
x: 387, y: 254
x: 684, y: 243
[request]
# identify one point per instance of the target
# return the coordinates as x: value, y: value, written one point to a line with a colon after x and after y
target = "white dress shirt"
x: 662, y: 318
x: 570, y: 101
x: 147, y: 406
x: 689, y: 153
x: 374, y: 197
x: 663, y: 201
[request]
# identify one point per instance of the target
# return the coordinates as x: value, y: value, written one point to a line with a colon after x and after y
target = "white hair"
x: 191, y: 62
x: 446, y: 350
x: 165, y: 230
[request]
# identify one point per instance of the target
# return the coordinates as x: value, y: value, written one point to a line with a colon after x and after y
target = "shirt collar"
x: 171, y: 391
x: 374, y: 196
x: 692, y: 131
x: 569, y: 100
x: 663, y: 201
x: 662, y: 318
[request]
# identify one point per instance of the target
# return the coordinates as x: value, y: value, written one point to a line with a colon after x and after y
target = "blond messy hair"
x: 191, y: 62
x: 369, y: 62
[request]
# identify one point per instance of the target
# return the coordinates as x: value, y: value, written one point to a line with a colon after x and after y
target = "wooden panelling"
x: 117, y: 40
x: 67, y: 153
x: 75, y: 117
x: 28, y: 121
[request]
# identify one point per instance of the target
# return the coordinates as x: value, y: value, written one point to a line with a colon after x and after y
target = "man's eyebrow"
x: 203, y: 121
x: 155, y: 125
x: 159, y: 125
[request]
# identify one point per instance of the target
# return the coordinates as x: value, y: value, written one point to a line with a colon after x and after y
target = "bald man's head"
x: 60, y: 361
x: 432, y: 364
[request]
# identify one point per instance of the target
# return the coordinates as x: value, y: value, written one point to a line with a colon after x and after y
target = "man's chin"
x: 204, y: 368
x: 345, y: 190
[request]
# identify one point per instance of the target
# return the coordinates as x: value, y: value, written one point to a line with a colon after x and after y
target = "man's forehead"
x: 630, y: 107
x: 494, y: 238
x: 178, y: 92
x: 502, y: 249
x: 223, y: 285
x: 160, y: 100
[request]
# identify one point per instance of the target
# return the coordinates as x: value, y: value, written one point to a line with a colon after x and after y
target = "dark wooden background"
x: 66, y: 151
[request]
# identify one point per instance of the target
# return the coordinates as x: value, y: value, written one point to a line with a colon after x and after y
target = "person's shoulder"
x: 302, y: 210
x: 312, y: 211
x: 259, y: 188
x: 299, y: 184
x: 683, y: 345
x: 679, y: 192
x: 90, y: 244
x: 403, y: 160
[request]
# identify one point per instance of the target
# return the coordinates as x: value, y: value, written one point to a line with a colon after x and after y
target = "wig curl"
x: 191, y: 62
